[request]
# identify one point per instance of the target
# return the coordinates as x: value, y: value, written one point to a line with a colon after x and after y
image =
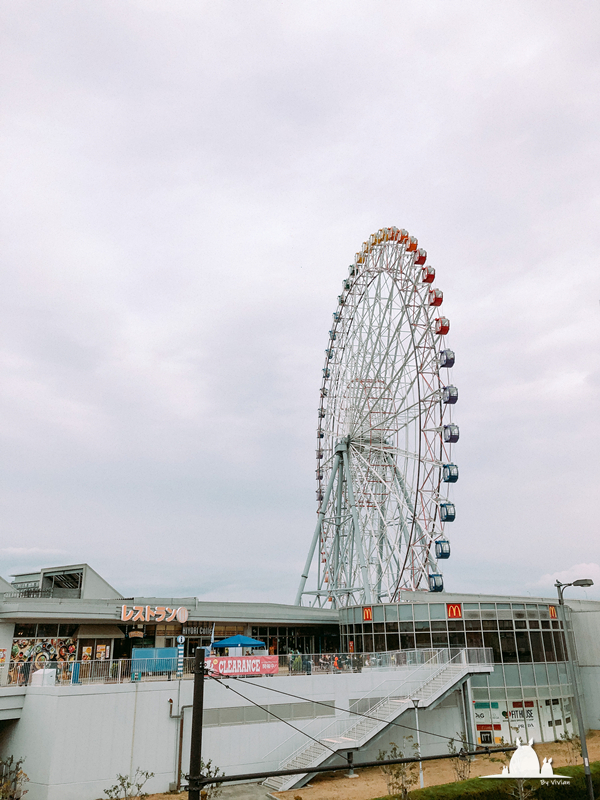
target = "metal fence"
x: 50, y: 673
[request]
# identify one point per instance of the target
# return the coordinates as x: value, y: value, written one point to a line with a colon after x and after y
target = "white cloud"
x: 576, y: 572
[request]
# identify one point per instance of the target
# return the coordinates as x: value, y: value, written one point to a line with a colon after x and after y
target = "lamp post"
x: 416, y: 705
x: 560, y: 587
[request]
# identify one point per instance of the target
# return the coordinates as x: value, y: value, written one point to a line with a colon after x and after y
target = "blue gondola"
x: 447, y: 358
x: 450, y: 395
x: 442, y: 548
x: 329, y: 352
x: 322, y: 415
x: 326, y: 372
x: 447, y: 512
x: 336, y: 315
x: 332, y: 335
x: 449, y: 472
x: 451, y: 433
x: 320, y: 434
x: 436, y: 582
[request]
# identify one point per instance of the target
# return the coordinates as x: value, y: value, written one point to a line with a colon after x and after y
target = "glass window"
x: 391, y: 613
x: 503, y: 605
x: 496, y: 678
x: 527, y: 676
x: 25, y: 631
x: 520, y: 606
x: 456, y: 625
x: 541, y: 676
x: 545, y: 623
x: 479, y: 680
x: 491, y: 639
x: 421, y: 626
x: 523, y: 647
x: 505, y: 624
x: 544, y: 612
x: 407, y: 641
x: 537, y: 646
x: 379, y: 642
x: 407, y: 627
x: 422, y: 611
x: 562, y: 673
x: 509, y: 647
x: 552, y: 674
x: 471, y: 606
x: 393, y: 642
x: 379, y: 627
x: 474, y: 639
x: 511, y: 674
x: 439, y: 639
x: 391, y: 627
x: 47, y: 631
x: 358, y: 643
x: 67, y: 630
x: 548, y: 646
x: 377, y: 613
x: 457, y: 639
x: 438, y: 626
x: 488, y: 606
x: 489, y: 624
x: 520, y: 623
x: 473, y: 624
x: 437, y: 611
x: 559, y: 645
x: 423, y: 639
x: 368, y: 642
x: 405, y: 611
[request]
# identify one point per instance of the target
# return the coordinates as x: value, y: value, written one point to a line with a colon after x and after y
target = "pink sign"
x: 244, y: 665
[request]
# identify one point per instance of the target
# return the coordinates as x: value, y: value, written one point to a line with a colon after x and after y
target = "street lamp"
x: 571, y: 672
x: 416, y: 705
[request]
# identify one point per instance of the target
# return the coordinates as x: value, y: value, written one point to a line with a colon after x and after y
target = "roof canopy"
x: 238, y: 641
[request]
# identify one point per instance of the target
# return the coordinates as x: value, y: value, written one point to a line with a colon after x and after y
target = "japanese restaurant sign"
x: 244, y: 665
x: 154, y: 614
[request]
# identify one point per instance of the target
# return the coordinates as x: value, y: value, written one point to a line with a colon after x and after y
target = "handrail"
x: 462, y: 657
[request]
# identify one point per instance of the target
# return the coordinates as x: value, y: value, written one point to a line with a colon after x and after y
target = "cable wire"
x: 239, y: 694
x: 347, y: 711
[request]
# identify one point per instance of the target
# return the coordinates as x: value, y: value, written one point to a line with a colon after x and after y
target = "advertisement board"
x: 244, y: 665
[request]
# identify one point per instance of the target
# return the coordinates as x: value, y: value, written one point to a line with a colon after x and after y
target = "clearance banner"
x: 244, y: 665
x: 454, y: 610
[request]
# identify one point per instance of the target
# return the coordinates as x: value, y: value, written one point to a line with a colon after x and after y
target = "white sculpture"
x: 525, y: 765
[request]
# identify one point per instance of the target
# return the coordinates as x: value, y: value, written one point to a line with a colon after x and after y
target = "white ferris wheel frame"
x: 381, y: 442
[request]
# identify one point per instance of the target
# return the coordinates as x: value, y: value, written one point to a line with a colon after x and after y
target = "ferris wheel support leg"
x: 317, y: 533
x: 356, y: 530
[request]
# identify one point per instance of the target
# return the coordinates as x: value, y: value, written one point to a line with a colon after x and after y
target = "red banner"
x: 244, y: 665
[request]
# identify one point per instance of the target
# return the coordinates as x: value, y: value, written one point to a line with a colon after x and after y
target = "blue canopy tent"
x: 238, y: 641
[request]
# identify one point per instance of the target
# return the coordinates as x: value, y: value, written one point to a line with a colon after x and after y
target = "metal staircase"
x: 427, y: 683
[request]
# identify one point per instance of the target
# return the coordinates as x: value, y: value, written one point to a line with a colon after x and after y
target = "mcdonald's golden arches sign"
x: 367, y: 614
x: 454, y: 610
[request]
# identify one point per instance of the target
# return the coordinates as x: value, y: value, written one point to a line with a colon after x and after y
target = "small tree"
x: 12, y: 778
x: 573, y: 742
x: 212, y: 790
x: 127, y: 786
x: 461, y: 763
x: 400, y: 777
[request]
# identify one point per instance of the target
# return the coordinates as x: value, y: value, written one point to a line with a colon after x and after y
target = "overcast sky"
x: 184, y: 185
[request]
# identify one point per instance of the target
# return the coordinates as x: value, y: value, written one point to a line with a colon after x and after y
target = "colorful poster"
x: 86, y: 653
x: 3, y: 653
x: 245, y: 665
x: 102, y: 651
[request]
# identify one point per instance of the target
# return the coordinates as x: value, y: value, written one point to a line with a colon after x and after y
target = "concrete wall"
x: 77, y: 738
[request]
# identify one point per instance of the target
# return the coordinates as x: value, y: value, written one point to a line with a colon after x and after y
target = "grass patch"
x: 480, y: 789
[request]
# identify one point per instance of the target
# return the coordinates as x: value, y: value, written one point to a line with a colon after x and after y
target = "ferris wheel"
x: 385, y: 430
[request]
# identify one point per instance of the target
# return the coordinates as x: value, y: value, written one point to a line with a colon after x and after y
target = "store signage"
x: 154, y: 614
x: 454, y: 610
x: 197, y: 630
x: 136, y: 634
x: 249, y: 665
x: 553, y: 614
x: 351, y: 646
x: 367, y: 614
